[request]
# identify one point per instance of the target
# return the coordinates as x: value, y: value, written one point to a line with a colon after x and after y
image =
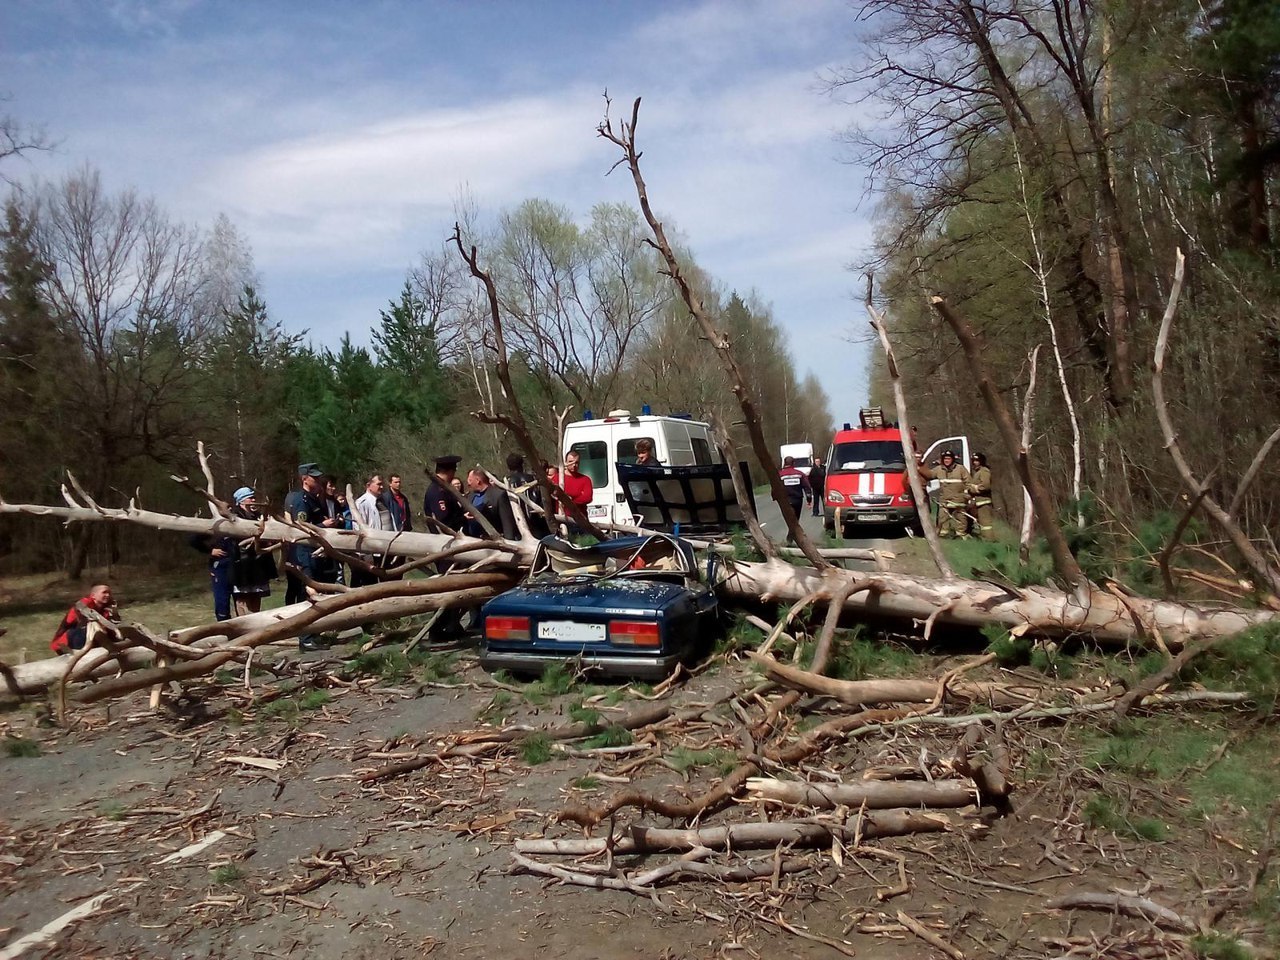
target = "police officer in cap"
x: 307, y: 505
x: 438, y: 504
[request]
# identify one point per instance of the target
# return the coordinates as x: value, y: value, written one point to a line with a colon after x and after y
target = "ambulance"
x: 602, y: 443
x: 866, y: 475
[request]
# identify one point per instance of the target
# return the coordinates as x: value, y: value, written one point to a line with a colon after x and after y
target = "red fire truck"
x: 866, y: 475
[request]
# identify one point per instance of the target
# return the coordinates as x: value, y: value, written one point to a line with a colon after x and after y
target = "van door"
x: 957, y: 445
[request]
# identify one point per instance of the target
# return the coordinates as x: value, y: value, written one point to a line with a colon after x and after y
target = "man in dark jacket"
x: 307, y: 505
x: 818, y: 484
x: 448, y: 512
x: 397, y: 504
x: 797, y: 487
x: 492, y: 503
x: 526, y: 483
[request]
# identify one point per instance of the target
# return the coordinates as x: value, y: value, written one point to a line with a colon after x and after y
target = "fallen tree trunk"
x: 860, y: 693
x: 744, y: 836
x: 866, y: 794
x: 463, y: 590
x: 1038, y: 611
x: 349, y: 541
x: 39, y: 675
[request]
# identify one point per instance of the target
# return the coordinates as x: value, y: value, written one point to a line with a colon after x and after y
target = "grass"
x: 1214, y: 946
x: 586, y: 783
x: 684, y: 759
x: 581, y: 713
x: 536, y: 749
x: 1194, y: 759
x: 856, y: 657
x: 740, y: 636
x: 1105, y: 812
x: 314, y: 699
x: 609, y: 737
x: 396, y: 666
x: 282, y: 708
x: 496, y: 710
x: 17, y: 747
x: 111, y: 809
x: 32, y: 605
x: 226, y: 873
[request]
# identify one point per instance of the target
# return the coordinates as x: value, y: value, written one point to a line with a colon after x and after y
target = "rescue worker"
x: 818, y: 484
x: 307, y: 505
x: 797, y: 487
x: 953, y: 497
x: 444, y: 508
x: 979, y: 490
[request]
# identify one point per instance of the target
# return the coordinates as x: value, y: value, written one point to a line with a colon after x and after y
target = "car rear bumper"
x: 639, y: 668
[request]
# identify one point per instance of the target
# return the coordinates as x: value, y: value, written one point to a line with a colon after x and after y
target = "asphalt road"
x: 776, y: 529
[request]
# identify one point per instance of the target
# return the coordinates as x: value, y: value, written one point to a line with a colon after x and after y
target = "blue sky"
x: 337, y: 136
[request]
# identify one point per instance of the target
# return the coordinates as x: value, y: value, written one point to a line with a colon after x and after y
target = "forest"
x: 1039, y: 166
x: 127, y: 336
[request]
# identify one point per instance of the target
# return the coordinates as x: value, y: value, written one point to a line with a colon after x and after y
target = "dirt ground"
x: 308, y: 861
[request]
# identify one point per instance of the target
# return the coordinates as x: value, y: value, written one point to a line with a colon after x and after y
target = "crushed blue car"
x: 631, y: 607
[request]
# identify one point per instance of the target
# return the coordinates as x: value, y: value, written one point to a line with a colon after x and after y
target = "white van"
x: 803, y: 453
x: 601, y: 444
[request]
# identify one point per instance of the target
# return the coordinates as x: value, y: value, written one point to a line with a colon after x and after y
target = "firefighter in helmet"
x: 953, y: 497
x: 979, y: 490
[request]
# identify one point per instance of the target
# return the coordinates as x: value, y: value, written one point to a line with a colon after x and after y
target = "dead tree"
x: 904, y: 432
x: 625, y: 139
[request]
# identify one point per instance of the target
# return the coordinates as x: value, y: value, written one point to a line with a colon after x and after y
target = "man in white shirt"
x: 374, y: 515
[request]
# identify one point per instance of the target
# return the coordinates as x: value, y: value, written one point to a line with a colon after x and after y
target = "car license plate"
x: 566, y: 631
x: 598, y: 511
x: 873, y: 517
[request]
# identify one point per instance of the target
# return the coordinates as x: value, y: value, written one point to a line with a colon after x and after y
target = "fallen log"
x: 463, y: 590
x: 743, y: 836
x: 868, y: 794
x: 881, y: 691
x: 1140, y: 908
x: 38, y: 675
x: 1037, y: 611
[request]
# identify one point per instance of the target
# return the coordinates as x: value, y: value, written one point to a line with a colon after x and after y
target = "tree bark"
x: 866, y: 794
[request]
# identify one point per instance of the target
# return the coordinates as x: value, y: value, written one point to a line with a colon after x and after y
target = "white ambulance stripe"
x: 879, y: 484
x: 864, y: 484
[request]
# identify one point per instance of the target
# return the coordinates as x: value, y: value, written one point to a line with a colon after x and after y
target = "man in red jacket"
x: 577, y: 486
x: 71, y: 633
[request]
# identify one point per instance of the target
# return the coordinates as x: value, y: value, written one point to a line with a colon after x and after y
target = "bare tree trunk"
x: 904, y: 435
x: 1042, y: 278
x: 1028, y: 420
x: 625, y: 140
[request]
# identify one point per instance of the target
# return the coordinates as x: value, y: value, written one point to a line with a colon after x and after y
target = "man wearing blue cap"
x: 306, y: 505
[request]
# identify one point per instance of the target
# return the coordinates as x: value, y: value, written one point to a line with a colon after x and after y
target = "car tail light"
x: 641, y: 633
x: 506, y: 628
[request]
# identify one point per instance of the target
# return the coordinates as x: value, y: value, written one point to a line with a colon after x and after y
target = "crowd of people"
x: 241, y: 572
